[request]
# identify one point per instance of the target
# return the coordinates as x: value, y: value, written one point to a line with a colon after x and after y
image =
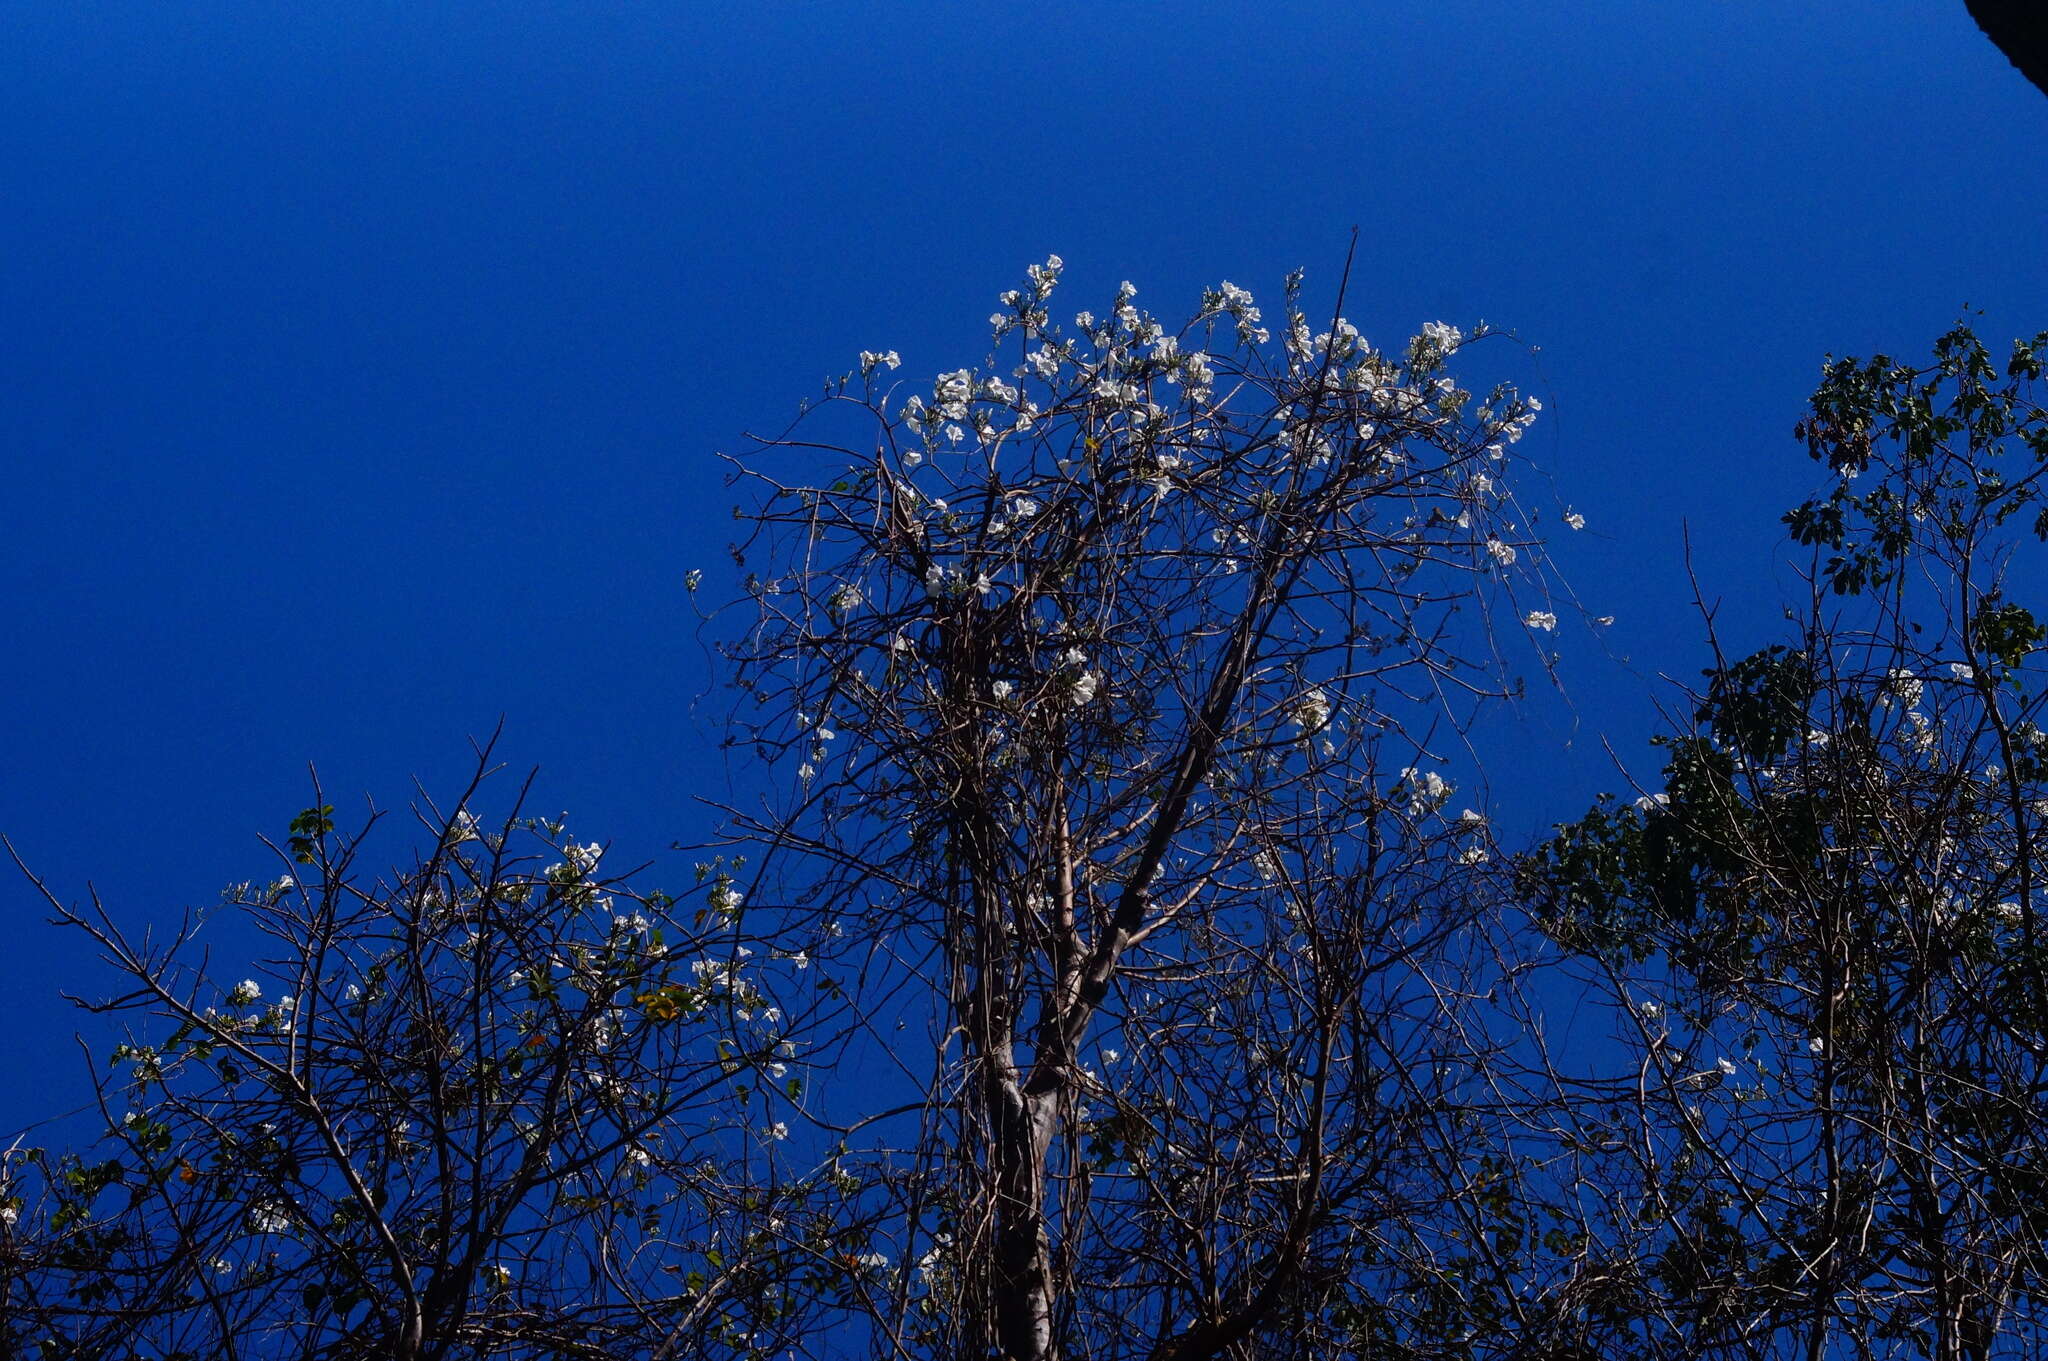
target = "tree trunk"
x: 1023, y: 1129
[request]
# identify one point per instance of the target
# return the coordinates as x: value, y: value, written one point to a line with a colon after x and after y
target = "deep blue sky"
x: 365, y: 362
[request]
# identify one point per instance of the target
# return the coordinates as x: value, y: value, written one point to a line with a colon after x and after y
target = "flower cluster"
x: 1427, y: 791
x: 1311, y: 712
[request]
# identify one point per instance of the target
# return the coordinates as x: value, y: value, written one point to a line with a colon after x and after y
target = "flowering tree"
x: 497, y: 1104
x: 1113, y: 686
x: 1118, y: 963
x: 1824, y: 936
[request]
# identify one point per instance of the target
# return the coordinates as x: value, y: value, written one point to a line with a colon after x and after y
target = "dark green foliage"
x: 1758, y: 705
x: 1958, y: 445
x: 2006, y: 633
x: 307, y: 829
x: 1822, y: 932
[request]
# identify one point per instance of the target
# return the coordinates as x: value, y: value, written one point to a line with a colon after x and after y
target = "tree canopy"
x: 1109, y: 959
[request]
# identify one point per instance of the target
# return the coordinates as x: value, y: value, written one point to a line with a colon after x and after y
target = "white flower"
x: 1540, y: 619
x: 807, y: 772
x: 1044, y: 362
x: 1001, y: 689
x: 1901, y: 684
x: 1311, y: 711
x: 724, y: 898
x: 1816, y: 1045
x: 951, y: 392
x: 1234, y: 299
x: 778, y: 1130
x: 639, y: 1157
x: 1727, y: 1067
x: 1473, y: 855
x: 1427, y: 790
x: 1574, y: 519
x: 244, y: 993
x: 801, y: 960
x: 1962, y: 671
x: 1441, y: 336
x: 871, y: 360
x: 1648, y: 802
x: 1650, y: 1011
x: 1085, y: 686
x: 1504, y: 554
x: 1111, y: 1055
x: 1471, y: 818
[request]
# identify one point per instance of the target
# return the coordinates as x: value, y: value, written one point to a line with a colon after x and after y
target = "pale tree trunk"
x: 1019, y: 1306
x: 1023, y: 1299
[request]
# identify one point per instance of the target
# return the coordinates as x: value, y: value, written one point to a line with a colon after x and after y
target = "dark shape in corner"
x: 2020, y: 28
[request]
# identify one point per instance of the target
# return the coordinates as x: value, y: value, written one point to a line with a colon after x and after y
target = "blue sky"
x: 366, y: 363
